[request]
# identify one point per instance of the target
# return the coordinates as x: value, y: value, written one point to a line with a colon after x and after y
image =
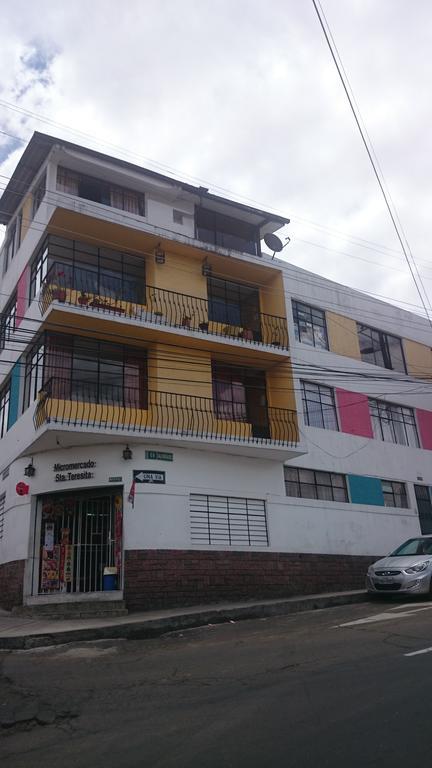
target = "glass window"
x: 379, y: 348
x: 310, y: 325
x: 234, y: 304
x: 8, y: 322
x: 394, y: 423
x: 319, y: 406
x: 315, y: 484
x: 38, y: 194
x: 100, y: 191
x: 227, y: 232
x: 395, y: 494
x: 4, y: 408
x: 86, y: 370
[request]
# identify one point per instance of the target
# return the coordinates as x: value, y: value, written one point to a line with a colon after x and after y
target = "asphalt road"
x: 293, y: 691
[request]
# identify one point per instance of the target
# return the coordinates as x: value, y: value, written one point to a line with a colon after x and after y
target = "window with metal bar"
x: 319, y: 406
x: 310, y: 325
x: 227, y: 232
x: 8, y: 321
x: 234, y: 304
x: 86, y: 370
x: 88, y: 269
x: 13, y: 241
x: 315, y: 484
x: 395, y: 494
x: 379, y: 348
x: 394, y: 423
x: 4, y: 408
x: 228, y: 521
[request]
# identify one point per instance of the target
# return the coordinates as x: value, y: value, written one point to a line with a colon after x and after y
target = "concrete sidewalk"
x: 22, y: 633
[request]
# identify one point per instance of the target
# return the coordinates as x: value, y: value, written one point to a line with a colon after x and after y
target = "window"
x: 178, y: 216
x: 13, y: 241
x: 310, y: 325
x: 218, y: 229
x: 314, y: 484
x: 8, y: 321
x: 394, y: 423
x: 2, y: 512
x: 234, y: 304
x: 228, y: 521
x: 239, y: 394
x: 395, y: 494
x: 38, y: 271
x: 86, y: 268
x: 319, y: 406
x: 4, y: 409
x: 99, y: 191
x: 379, y: 348
x: 38, y: 194
x: 85, y: 370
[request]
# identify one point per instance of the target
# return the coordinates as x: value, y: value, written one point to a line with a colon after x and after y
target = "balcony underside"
x: 51, y: 435
x: 111, y: 327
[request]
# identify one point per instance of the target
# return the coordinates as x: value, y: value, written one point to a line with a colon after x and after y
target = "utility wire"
x: 393, y: 216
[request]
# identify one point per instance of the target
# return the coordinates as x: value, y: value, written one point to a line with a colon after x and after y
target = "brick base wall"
x: 11, y: 584
x: 162, y: 578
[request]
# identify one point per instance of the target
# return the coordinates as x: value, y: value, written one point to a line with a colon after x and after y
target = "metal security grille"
x: 80, y: 535
x: 228, y: 520
x: 2, y: 512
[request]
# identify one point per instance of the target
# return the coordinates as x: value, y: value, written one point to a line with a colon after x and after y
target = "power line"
x: 393, y: 216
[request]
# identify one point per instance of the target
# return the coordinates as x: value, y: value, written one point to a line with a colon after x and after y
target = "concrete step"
x: 88, y: 609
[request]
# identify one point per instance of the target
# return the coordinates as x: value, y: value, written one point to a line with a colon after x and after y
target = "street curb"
x: 151, y: 628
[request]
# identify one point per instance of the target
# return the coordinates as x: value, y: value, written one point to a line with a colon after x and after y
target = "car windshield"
x: 413, y: 547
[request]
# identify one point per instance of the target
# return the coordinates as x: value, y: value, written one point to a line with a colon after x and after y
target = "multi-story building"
x: 184, y: 413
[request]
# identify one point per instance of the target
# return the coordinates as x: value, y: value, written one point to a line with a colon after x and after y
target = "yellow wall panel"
x: 342, y: 333
x: 26, y: 216
x: 418, y: 358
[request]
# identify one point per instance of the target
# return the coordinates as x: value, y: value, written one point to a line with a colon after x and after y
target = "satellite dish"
x: 272, y: 241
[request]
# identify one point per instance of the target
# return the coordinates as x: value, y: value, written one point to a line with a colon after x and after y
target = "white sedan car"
x: 407, y: 570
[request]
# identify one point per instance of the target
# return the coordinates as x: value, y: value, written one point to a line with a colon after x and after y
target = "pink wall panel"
x: 353, y: 411
x: 424, y: 421
x: 22, y: 294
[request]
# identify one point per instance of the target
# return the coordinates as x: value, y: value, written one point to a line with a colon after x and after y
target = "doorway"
x: 80, y: 534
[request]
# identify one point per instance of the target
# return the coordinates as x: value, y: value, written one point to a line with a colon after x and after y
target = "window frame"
x: 107, y: 187
x: 322, y: 390
x: 58, y: 352
x: 38, y: 193
x: 382, y: 338
x: 8, y: 319
x: 219, y: 229
x: 300, y: 305
x: 232, y: 299
x: 316, y: 484
x: 377, y: 410
x: 5, y: 393
x: 393, y: 494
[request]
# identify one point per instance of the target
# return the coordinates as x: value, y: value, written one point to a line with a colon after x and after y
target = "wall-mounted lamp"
x: 30, y: 470
x: 206, y: 268
x: 159, y: 254
x: 127, y: 454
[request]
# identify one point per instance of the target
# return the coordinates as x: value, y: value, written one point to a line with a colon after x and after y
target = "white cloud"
x: 245, y: 97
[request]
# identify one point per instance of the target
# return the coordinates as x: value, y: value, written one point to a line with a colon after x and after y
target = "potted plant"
x: 83, y: 299
x: 59, y: 294
x: 204, y: 327
x: 186, y: 321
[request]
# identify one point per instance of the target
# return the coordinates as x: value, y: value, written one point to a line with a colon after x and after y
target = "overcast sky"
x: 242, y: 96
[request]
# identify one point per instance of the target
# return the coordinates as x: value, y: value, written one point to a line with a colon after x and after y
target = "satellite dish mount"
x: 274, y: 243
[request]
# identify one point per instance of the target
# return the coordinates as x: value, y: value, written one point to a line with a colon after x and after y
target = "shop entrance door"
x: 424, y: 506
x: 80, y: 535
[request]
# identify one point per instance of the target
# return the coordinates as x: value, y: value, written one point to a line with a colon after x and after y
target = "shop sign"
x: 63, y: 472
x: 144, y: 476
x: 159, y: 455
x: 115, y: 479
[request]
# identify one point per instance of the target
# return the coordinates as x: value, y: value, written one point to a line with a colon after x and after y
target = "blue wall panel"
x: 14, y: 394
x: 365, y: 490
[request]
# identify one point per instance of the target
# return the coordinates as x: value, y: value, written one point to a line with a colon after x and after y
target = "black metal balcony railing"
x: 83, y: 404
x: 122, y: 296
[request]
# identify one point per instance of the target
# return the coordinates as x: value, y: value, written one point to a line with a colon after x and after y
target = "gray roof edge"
x: 39, y: 147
